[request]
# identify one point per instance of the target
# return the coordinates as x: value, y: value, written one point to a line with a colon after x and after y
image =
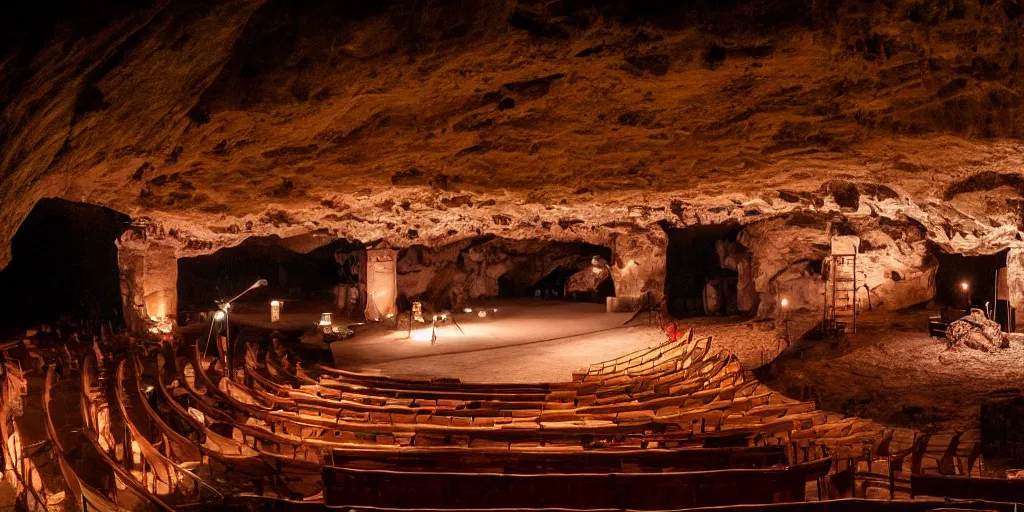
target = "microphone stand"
x: 225, y: 306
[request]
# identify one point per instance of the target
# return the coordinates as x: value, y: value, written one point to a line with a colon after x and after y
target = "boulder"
x: 977, y: 332
x: 587, y: 280
x: 712, y: 298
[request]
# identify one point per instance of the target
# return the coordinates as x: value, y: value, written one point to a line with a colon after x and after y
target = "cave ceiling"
x: 434, y: 120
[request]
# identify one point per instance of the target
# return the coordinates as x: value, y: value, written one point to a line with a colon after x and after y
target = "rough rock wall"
x: 455, y: 274
x: 220, y: 119
x: 638, y: 265
x: 149, y: 279
x: 1015, y: 281
x: 429, y: 121
x: 789, y: 258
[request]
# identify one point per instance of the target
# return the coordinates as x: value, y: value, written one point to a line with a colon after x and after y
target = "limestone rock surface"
x: 977, y: 332
x: 427, y: 122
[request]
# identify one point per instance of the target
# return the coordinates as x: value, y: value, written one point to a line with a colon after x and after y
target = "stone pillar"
x: 638, y: 268
x: 381, y: 284
x: 1015, y: 281
x: 149, y: 280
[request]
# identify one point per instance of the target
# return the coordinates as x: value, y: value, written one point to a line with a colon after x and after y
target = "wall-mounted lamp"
x: 275, y: 311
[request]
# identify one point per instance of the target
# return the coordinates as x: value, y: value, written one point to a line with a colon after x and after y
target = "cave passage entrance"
x: 304, y: 268
x: 978, y: 272
x: 559, y: 270
x: 693, y: 266
x: 64, y: 263
x: 457, y: 274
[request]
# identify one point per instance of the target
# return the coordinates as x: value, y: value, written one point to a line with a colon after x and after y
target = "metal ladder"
x: 841, y: 294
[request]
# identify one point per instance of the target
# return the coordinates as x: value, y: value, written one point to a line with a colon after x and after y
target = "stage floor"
x: 526, y: 340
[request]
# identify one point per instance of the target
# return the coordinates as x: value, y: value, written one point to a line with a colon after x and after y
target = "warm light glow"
x: 275, y: 311
x: 482, y: 314
x: 219, y: 315
x: 325, y: 319
x: 435, y: 318
x: 467, y: 310
x: 785, y: 303
x: 964, y: 285
x: 444, y: 317
x: 421, y: 335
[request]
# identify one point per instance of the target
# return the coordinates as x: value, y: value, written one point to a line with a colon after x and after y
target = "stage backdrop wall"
x: 381, y: 284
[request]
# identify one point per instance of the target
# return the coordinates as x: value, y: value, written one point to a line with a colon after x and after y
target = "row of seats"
x: 676, y: 426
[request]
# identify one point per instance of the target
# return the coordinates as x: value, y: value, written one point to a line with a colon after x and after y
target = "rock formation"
x: 457, y: 273
x: 977, y: 332
x: 430, y: 123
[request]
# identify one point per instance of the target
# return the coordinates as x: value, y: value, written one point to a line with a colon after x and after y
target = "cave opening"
x: 696, y: 283
x: 64, y: 263
x: 558, y: 270
x: 561, y: 283
x: 307, y: 269
x: 485, y: 267
x: 980, y: 274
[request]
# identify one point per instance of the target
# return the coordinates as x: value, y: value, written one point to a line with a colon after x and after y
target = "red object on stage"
x: 672, y: 332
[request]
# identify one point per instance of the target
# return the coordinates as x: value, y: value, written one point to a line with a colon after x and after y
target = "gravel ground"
x: 892, y: 372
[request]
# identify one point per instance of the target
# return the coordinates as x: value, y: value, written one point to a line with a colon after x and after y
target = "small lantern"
x: 275, y: 311
x: 325, y: 323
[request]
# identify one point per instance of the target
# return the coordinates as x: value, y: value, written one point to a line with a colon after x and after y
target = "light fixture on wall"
x: 784, y: 303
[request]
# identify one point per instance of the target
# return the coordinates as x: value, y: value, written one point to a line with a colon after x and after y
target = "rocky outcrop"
x: 149, y: 279
x: 586, y: 281
x: 977, y: 332
x: 733, y: 257
x: 638, y: 266
x: 455, y: 274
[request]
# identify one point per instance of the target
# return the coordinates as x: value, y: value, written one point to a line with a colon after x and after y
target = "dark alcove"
x: 64, y: 262
x: 691, y: 263
x: 978, y: 272
x: 290, y: 274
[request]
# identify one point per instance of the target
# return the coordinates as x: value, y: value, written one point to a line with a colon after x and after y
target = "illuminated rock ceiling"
x: 432, y: 121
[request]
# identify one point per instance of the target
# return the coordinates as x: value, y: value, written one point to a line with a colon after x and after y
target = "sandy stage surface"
x: 533, y: 340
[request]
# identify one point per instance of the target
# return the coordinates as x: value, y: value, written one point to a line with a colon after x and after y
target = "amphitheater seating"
x: 676, y: 426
